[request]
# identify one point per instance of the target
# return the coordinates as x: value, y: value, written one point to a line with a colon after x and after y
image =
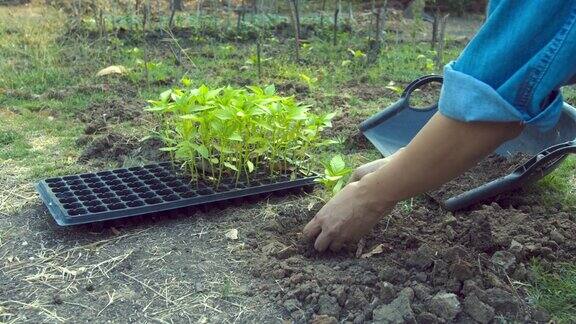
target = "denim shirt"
x: 513, y: 69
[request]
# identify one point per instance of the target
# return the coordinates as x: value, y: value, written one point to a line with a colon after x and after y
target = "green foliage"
x: 8, y: 137
x: 555, y: 290
x: 227, y: 132
x: 336, y: 173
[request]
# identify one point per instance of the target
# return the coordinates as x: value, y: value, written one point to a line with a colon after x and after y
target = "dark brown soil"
x: 368, y: 92
x: 345, y: 125
x: 433, y: 267
x: 489, y: 169
x: 292, y: 88
x: 115, y: 147
x: 113, y: 111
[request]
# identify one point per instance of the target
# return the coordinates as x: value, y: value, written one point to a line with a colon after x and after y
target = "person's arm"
x: 442, y: 150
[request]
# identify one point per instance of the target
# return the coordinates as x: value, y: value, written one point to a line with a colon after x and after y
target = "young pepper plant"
x: 231, y: 134
x: 336, y: 173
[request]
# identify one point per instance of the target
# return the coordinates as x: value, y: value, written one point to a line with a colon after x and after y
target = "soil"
x: 489, y: 169
x: 433, y: 266
x: 347, y: 126
x: 368, y: 92
x: 115, y: 147
x: 426, y: 266
x: 290, y: 88
x: 113, y: 111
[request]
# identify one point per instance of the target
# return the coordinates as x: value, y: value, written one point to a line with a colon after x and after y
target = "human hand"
x: 346, y: 218
x: 370, y: 167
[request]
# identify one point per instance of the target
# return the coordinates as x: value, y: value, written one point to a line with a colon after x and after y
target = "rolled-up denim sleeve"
x: 513, y: 69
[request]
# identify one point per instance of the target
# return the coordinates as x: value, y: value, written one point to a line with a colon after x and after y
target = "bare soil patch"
x: 489, y: 169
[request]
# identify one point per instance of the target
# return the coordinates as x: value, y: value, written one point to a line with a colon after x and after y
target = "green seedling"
x: 357, y: 54
x: 229, y: 133
x: 310, y: 81
x: 336, y: 173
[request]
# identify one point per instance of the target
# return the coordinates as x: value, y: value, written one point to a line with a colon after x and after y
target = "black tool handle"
x: 418, y: 83
x: 534, y: 169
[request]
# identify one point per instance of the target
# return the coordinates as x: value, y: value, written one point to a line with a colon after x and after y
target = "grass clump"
x: 555, y: 290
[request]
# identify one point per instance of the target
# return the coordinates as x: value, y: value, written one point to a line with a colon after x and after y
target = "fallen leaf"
x: 377, y: 250
x: 232, y: 234
x: 113, y: 69
x: 115, y: 230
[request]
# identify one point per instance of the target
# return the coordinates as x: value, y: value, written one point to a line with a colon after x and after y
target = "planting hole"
x: 164, y: 192
x: 76, y: 212
x: 104, y: 173
x: 129, y: 198
x: 204, y: 192
x: 136, y: 184
x: 153, y: 201
x: 157, y: 187
x: 140, y: 189
x: 108, y: 201
x: 57, y: 184
x: 96, y: 185
x: 188, y: 194
x: 87, y: 198
x: 92, y: 203
x: 97, y: 209
x: 70, y: 178
x: 101, y: 190
x: 83, y: 192
x: 171, y: 197
x: 78, y: 187
x: 68, y: 200
x: 105, y: 195
x: 118, y: 187
x: 146, y: 195
x: 136, y: 203
x: 116, y: 206
x: 72, y: 206
x: 124, y: 192
x: 64, y: 195
x: 113, y: 182
x: 53, y: 180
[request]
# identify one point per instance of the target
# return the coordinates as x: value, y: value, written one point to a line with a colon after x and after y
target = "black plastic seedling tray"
x: 120, y: 193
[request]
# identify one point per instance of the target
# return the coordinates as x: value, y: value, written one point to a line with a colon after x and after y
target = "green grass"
x: 559, y: 188
x: 555, y: 291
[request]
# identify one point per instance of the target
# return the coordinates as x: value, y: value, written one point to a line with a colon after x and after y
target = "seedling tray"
x: 120, y: 193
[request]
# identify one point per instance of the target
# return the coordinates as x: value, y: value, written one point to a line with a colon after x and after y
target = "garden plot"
x: 508, y: 261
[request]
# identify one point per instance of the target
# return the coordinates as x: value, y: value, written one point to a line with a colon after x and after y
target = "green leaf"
x: 230, y: 166
x: 203, y: 151
x: 168, y: 149
x: 191, y: 117
x: 250, y: 166
x: 339, y: 185
x: 164, y: 96
x: 337, y: 163
x: 270, y: 90
x: 235, y: 137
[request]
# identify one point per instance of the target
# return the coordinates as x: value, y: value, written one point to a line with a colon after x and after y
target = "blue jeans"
x: 513, y: 69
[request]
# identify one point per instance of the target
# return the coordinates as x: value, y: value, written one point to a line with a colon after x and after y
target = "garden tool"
x: 395, y: 126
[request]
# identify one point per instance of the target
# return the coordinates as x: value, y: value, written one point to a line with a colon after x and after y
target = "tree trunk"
x: 336, y: 12
x: 177, y: 5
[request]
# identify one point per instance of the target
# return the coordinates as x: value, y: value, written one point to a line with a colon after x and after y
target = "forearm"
x: 442, y: 150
